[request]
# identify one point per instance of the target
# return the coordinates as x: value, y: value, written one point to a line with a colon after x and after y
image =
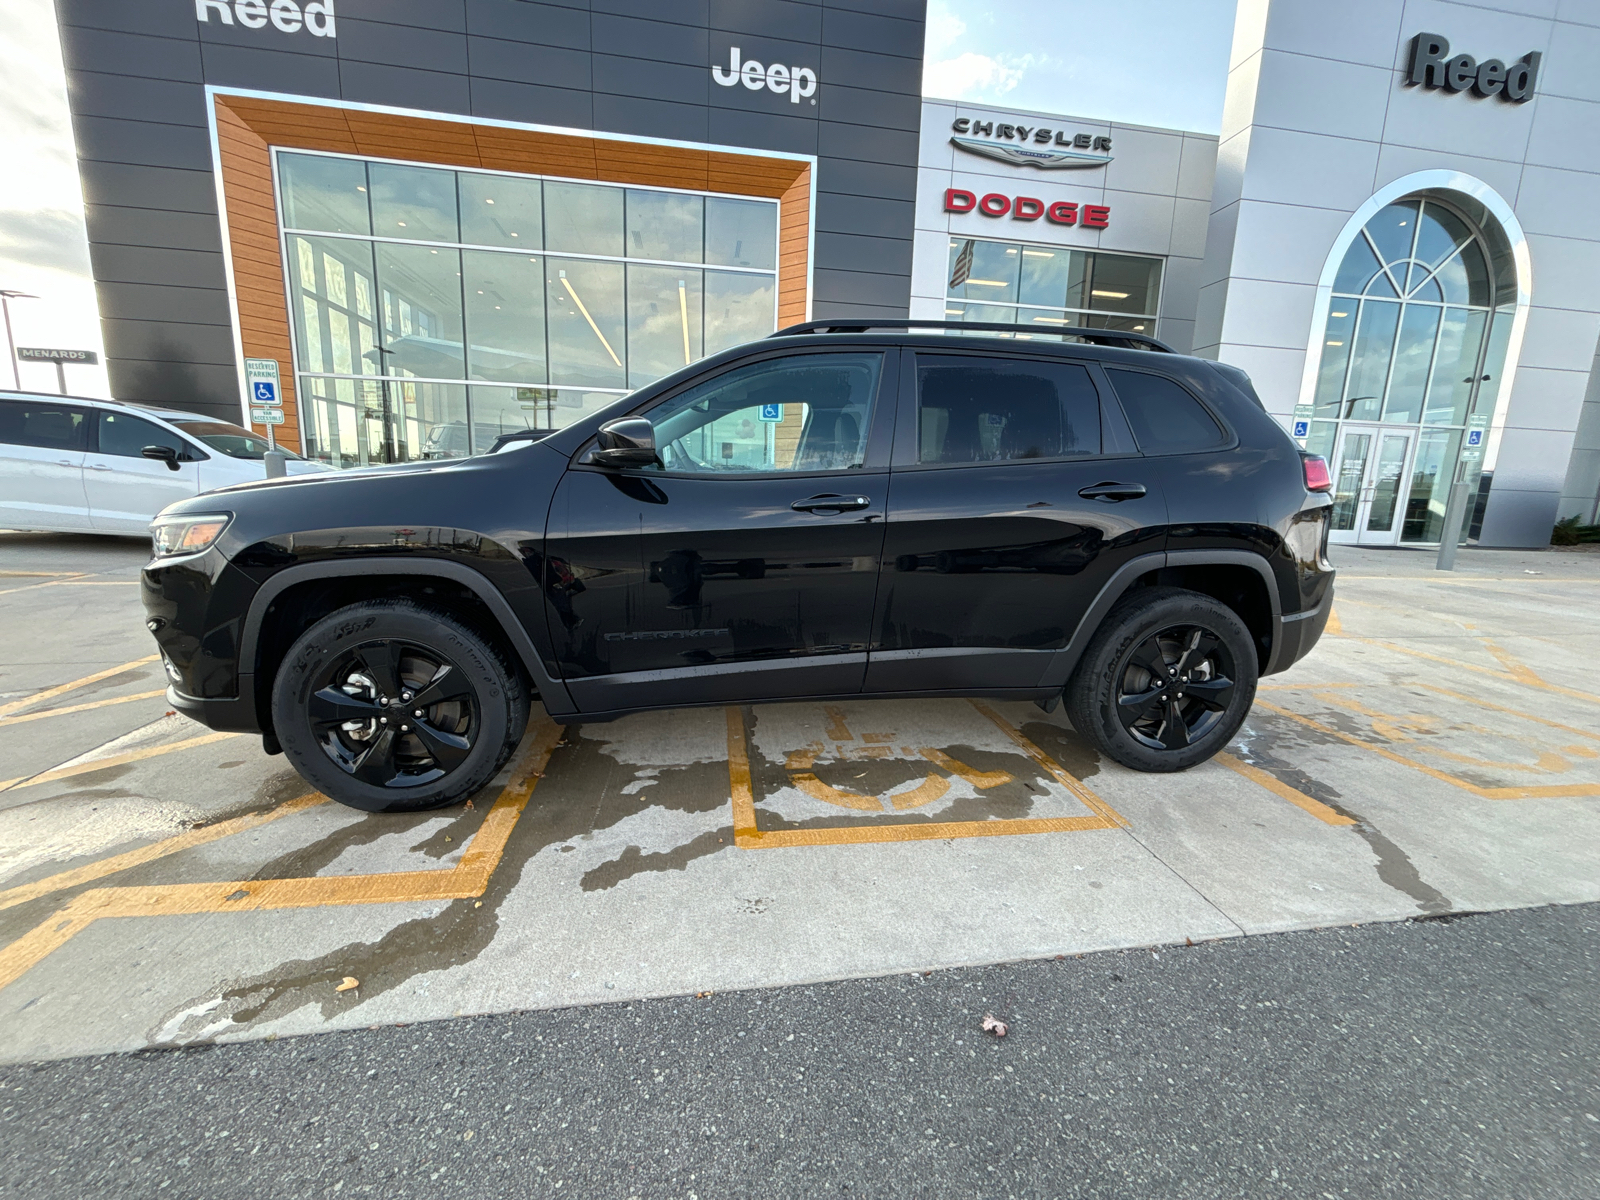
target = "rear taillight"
x: 1317, y: 477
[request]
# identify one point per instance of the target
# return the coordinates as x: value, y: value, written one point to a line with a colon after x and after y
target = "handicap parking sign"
x: 264, y: 391
x: 1302, y: 429
x: 1474, y: 437
x: 772, y: 412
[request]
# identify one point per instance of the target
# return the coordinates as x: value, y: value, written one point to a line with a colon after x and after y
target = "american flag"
x: 963, y: 267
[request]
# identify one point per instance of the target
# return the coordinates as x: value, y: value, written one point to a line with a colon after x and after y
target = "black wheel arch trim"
x: 552, y: 691
x: 1062, y: 663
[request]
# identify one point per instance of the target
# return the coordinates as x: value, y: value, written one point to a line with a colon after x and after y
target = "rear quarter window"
x: 48, y: 426
x: 1166, y: 419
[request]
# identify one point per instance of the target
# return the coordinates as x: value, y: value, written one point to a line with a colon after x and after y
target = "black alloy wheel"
x: 1166, y: 680
x: 394, y: 715
x: 1176, y: 687
x: 391, y: 707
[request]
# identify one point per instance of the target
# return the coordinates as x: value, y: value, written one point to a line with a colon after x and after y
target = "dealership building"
x: 440, y: 220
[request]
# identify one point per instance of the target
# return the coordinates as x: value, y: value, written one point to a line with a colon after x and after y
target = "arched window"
x: 1417, y: 325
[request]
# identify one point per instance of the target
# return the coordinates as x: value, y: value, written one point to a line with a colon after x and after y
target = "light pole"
x: 6, y: 297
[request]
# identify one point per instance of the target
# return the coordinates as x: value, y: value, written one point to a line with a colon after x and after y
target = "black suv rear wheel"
x: 390, y: 707
x: 1166, y: 681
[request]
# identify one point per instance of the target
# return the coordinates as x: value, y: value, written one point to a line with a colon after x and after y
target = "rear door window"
x: 48, y: 426
x: 975, y: 409
x: 1166, y: 419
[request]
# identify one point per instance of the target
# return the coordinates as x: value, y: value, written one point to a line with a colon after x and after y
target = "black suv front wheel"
x: 1166, y: 681
x: 390, y: 707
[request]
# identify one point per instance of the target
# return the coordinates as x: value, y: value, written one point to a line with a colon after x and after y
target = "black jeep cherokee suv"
x: 838, y: 511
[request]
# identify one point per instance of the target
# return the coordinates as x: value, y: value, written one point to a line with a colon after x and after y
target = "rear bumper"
x: 1298, y: 633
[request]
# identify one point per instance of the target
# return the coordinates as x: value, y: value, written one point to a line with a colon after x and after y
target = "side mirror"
x: 165, y: 454
x: 626, y: 442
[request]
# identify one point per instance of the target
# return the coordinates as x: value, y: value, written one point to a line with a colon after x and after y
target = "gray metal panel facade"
x: 136, y: 76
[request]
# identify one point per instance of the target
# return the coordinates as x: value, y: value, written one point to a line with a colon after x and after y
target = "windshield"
x: 231, y: 440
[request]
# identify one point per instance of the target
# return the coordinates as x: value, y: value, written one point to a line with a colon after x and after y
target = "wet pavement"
x: 162, y: 885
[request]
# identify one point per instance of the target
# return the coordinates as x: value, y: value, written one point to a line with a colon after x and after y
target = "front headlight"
x: 187, y: 533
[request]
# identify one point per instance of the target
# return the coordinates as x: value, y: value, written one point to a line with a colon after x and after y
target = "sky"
x: 43, y: 247
x: 1143, y: 62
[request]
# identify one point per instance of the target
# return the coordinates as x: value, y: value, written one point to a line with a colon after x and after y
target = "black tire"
x: 336, y: 734
x: 1174, y: 720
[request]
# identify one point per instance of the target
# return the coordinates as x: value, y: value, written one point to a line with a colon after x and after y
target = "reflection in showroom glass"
x: 411, y: 286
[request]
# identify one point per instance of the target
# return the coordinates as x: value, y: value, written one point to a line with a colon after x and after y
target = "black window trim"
x: 907, y: 447
x: 1230, y: 436
x: 880, y: 429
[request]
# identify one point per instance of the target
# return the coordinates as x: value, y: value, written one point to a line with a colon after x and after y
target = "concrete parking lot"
x: 161, y: 884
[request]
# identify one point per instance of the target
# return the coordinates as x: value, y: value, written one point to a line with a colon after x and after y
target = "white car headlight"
x: 187, y: 533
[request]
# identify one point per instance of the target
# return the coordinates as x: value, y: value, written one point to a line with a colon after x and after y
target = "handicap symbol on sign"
x: 1474, y: 437
x: 265, y: 392
x: 1302, y: 429
x: 772, y: 412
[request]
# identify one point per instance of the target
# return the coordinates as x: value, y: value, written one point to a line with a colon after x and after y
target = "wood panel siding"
x: 249, y: 128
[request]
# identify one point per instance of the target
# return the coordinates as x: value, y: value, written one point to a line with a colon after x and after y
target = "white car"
x: 69, y: 464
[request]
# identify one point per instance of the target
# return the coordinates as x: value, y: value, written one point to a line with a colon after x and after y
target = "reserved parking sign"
x: 261, y: 378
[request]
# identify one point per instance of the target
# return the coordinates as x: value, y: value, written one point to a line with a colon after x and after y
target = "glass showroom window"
x: 1418, y: 325
x: 1015, y: 283
x: 434, y: 309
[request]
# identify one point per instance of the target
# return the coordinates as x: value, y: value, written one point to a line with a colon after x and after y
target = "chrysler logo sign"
x: 799, y: 82
x: 1049, y: 150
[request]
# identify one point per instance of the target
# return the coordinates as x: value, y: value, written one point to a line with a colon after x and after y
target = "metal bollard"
x: 1454, y: 510
x: 277, y: 464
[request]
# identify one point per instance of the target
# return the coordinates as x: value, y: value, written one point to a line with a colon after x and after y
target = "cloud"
x: 973, y: 76
x: 945, y: 29
x: 51, y: 238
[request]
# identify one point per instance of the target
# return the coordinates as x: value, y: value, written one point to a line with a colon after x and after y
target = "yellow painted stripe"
x: 748, y: 836
x: 744, y: 804
x: 1073, y: 785
x: 1523, y: 675
x: 73, y: 708
x: 38, y: 574
x: 62, y: 688
x: 115, y: 760
x: 1277, y: 787
x: 172, y: 845
x: 467, y: 879
x: 1481, y: 703
x: 852, y: 834
x: 1553, y: 792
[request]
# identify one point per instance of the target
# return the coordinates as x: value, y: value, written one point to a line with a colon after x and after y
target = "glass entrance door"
x: 1368, y: 477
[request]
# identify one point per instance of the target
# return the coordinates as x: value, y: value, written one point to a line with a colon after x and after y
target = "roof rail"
x: 1137, y: 341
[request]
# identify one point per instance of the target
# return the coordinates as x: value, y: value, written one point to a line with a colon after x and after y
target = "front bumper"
x: 236, y: 715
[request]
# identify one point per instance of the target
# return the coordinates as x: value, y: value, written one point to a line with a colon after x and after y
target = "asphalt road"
x: 1449, y: 1057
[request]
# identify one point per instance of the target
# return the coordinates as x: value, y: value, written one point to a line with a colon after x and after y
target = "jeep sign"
x: 287, y: 16
x: 799, y: 82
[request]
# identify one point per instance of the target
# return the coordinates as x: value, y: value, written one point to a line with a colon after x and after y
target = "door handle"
x: 830, y: 503
x: 1112, y: 492
x: 98, y: 467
